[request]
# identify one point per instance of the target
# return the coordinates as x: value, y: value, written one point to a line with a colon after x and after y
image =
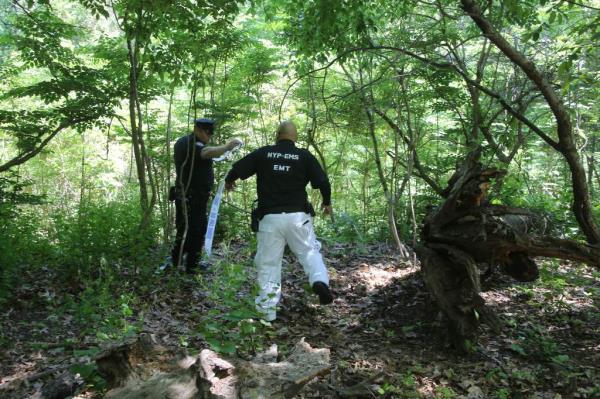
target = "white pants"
x: 274, y: 231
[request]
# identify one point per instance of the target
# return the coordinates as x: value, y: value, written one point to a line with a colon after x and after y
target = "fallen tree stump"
x: 466, y: 231
x: 136, y: 370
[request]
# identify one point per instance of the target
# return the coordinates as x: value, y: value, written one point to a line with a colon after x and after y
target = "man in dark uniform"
x: 195, y: 177
x: 283, y: 171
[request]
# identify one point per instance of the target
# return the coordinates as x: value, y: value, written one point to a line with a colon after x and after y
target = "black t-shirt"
x: 187, y: 151
x: 282, y: 173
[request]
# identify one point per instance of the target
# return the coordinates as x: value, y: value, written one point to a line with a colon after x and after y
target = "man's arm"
x: 230, y: 179
x: 242, y: 169
x: 217, y: 151
x: 325, y: 189
x: 318, y: 179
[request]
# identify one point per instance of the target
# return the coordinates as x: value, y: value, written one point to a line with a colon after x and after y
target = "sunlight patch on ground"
x: 379, y: 275
x: 24, y: 370
x: 426, y: 386
x: 491, y: 297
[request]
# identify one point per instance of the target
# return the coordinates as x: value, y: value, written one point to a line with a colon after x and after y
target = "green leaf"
x: 247, y: 328
x: 102, y: 336
x: 519, y: 349
x: 85, y: 370
x: 536, y: 34
x: 221, y: 347
x: 228, y: 347
x: 86, y: 352
x: 560, y: 359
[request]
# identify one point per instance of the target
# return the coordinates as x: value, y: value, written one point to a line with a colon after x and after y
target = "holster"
x: 176, y: 193
x: 309, y: 209
x: 255, y: 216
x: 172, y: 193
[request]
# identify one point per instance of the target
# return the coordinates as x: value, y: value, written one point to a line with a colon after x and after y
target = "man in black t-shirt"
x: 195, y: 178
x: 283, y: 171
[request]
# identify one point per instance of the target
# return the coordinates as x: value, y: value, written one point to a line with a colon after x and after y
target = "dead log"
x: 125, y: 363
x: 64, y: 386
x: 163, y: 374
x: 467, y: 230
x: 284, y: 379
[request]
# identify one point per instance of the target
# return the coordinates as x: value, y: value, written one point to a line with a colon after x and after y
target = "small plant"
x: 91, y: 376
x: 539, y: 346
x: 523, y: 376
x: 387, y: 388
x: 469, y: 346
x: 99, y: 312
x: 442, y: 392
x: 525, y: 292
x: 495, y: 375
x: 389, y: 333
x: 233, y: 325
x: 501, y: 393
x: 400, y: 386
x: 409, y: 385
x: 450, y: 373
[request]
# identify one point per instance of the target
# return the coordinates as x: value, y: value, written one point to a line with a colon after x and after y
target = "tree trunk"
x: 136, y: 138
x: 467, y: 230
x: 168, y: 213
x: 591, y: 165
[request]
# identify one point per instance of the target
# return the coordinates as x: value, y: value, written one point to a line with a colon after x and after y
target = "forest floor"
x: 387, y: 339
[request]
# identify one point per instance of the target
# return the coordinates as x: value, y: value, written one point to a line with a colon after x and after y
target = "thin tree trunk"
x: 417, y: 164
x: 312, y: 130
x: 597, y: 177
x: 135, y: 131
x: 591, y: 159
x: 27, y: 155
x: 152, y: 182
x: 262, y: 118
x: 80, y: 210
x: 472, y: 136
x: 389, y: 200
x: 131, y: 161
x: 192, y: 104
x: 365, y: 200
x: 169, y: 212
x: 82, y: 183
x: 213, y: 80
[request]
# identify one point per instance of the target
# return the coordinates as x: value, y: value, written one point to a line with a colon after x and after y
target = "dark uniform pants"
x: 196, y: 229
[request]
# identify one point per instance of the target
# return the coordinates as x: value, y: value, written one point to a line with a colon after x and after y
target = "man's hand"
x: 229, y: 185
x: 231, y: 144
x: 327, y: 209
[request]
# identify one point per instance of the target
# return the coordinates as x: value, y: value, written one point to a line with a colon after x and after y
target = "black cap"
x: 205, y: 123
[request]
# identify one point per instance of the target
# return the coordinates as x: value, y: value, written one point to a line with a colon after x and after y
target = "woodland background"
x: 389, y: 95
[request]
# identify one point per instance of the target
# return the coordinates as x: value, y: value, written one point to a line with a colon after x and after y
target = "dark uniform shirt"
x: 188, y: 161
x: 282, y: 171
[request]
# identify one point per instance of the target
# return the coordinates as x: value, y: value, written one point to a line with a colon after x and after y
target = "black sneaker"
x: 201, y: 267
x: 204, y: 265
x: 322, y: 290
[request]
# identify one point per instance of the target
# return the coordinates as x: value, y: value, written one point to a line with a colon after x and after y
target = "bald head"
x: 287, y: 131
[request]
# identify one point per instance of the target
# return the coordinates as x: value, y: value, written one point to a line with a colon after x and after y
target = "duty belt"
x: 285, y: 209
